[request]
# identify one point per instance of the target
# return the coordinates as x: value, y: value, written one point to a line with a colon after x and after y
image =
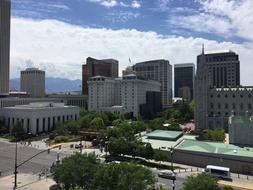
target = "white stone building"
x: 40, y: 116
x: 33, y: 82
x: 123, y: 95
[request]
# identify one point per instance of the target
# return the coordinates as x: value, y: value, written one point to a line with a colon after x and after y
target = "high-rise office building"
x: 33, y: 82
x: 184, y: 80
x: 95, y: 67
x: 159, y: 70
x: 217, y: 90
x: 5, y: 17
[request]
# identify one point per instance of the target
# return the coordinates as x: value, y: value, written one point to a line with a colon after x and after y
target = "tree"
x: 149, y: 151
x: 201, y: 182
x: 123, y: 176
x: 18, y: 130
x: 97, y: 123
x: 212, y: 135
x: 160, y: 155
x: 76, y: 171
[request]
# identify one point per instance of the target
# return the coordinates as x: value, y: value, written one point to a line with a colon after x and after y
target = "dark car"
x: 78, y: 146
x: 168, y: 174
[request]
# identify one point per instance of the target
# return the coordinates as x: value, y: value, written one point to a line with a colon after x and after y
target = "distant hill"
x: 53, y: 85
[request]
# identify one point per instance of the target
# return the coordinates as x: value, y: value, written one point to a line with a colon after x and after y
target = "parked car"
x: 168, y: 174
x: 77, y: 146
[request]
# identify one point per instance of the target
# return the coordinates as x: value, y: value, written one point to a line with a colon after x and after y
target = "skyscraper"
x: 159, y: 70
x: 217, y: 77
x: 5, y: 14
x: 33, y: 82
x: 95, y: 67
x: 184, y: 80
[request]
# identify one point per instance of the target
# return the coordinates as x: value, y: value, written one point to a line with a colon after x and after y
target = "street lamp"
x: 172, y: 168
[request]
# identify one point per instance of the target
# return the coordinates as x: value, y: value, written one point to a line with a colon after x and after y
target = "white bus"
x: 218, y: 171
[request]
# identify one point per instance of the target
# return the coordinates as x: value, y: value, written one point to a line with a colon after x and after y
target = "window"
x: 241, y: 96
x: 234, y: 106
x: 218, y: 96
x: 241, y: 106
x: 218, y: 105
x: 211, y: 96
x: 249, y: 106
x: 226, y: 105
x: 233, y: 96
x: 249, y: 95
x: 226, y: 95
x: 211, y: 105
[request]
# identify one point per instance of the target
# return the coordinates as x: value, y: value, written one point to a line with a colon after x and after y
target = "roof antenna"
x: 203, y: 49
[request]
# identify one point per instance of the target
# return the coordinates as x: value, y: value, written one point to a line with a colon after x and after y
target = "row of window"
x: 226, y: 106
x: 234, y: 95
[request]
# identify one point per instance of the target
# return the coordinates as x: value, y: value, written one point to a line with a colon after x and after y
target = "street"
x: 36, y: 165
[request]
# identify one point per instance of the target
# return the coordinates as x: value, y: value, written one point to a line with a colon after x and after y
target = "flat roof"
x: 214, y: 147
x: 240, y: 120
x: 164, y: 134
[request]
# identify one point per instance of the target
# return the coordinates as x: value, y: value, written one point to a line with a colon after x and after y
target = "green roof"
x: 214, y: 147
x: 164, y: 135
x: 240, y: 119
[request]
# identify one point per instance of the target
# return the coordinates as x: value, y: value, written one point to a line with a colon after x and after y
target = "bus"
x: 218, y: 171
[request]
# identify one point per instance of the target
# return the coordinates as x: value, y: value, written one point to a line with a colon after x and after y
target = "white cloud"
x: 121, y: 16
x: 112, y: 3
x: 62, y: 48
x: 222, y: 17
x: 135, y: 4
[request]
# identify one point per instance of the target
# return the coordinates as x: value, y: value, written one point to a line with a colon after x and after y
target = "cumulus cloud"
x: 60, y: 48
x: 222, y: 17
x: 112, y: 3
x: 121, y: 16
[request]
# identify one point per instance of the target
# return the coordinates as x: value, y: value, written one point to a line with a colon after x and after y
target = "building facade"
x: 217, y: 82
x: 122, y: 95
x: 33, y: 82
x: 184, y: 80
x: 241, y: 130
x: 38, y: 117
x: 103, y: 92
x: 134, y: 93
x: 95, y: 67
x: 5, y: 17
x: 159, y: 70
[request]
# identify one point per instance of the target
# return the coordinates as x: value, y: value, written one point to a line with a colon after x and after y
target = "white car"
x: 168, y: 174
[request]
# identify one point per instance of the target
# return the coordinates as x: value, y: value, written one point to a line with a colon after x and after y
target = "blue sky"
x: 167, y: 29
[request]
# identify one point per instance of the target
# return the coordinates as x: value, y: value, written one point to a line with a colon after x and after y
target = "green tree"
x: 76, y: 171
x: 97, y: 123
x: 201, y: 182
x: 149, y: 151
x: 212, y: 135
x: 123, y: 176
x: 18, y: 130
x: 160, y: 155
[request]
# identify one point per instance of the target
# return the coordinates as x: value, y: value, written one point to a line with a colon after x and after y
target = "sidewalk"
x: 26, y: 182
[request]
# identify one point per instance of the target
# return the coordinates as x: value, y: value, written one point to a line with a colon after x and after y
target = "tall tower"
x: 219, y: 69
x: 5, y: 17
x: 33, y: 82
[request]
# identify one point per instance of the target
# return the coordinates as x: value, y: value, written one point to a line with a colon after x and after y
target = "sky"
x: 58, y: 35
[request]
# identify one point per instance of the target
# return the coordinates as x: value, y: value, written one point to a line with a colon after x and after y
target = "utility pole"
x: 18, y: 165
x: 172, y: 168
x: 16, y: 168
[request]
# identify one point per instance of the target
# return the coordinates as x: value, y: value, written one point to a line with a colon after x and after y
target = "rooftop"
x: 164, y: 135
x: 39, y: 105
x: 240, y: 120
x: 214, y: 147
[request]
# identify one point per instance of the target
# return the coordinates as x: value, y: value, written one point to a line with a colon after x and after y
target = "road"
x: 7, y: 154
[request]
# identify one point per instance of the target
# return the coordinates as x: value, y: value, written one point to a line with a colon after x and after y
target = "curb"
x: 235, y: 185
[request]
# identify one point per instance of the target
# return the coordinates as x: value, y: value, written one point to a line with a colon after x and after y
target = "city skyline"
x: 73, y: 33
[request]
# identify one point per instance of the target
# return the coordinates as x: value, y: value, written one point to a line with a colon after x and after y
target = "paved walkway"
x: 26, y: 182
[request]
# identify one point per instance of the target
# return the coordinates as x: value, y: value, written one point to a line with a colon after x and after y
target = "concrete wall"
x: 237, y: 164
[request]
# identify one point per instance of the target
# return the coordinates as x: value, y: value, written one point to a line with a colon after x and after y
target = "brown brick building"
x: 95, y: 67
